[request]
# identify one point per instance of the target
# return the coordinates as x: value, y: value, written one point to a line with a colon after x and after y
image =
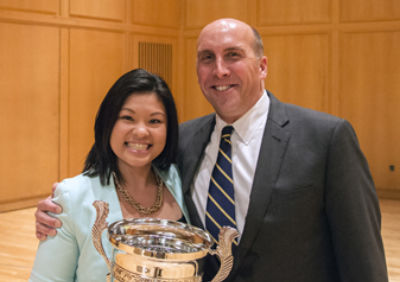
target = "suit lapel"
x: 273, y: 147
x: 193, y: 155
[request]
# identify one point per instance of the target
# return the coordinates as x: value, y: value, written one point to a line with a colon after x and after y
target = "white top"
x: 246, y: 143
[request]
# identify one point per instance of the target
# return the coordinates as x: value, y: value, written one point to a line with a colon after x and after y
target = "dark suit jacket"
x: 313, y: 214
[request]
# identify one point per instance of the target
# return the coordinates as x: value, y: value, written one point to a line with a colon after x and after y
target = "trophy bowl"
x: 159, y: 250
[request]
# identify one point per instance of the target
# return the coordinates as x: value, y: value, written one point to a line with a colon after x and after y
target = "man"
x: 305, y: 204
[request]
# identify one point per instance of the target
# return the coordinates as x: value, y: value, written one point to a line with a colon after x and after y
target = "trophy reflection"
x: 159, y: 250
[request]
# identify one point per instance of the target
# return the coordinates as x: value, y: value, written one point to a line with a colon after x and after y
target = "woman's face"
x: 140, y: 132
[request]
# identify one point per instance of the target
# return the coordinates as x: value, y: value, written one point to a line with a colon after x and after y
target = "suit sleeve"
x: 353, y: 210
x: 57, y: 257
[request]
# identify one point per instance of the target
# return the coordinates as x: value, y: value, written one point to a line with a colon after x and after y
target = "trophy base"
x: 124, y: 275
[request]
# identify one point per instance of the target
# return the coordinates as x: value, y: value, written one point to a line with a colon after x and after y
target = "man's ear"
x: 263, y: 67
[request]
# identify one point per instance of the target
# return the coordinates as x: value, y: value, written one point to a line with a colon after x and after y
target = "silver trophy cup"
x: 158, y: 250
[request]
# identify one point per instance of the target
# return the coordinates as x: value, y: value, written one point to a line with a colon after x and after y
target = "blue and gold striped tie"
x: 221, y: 197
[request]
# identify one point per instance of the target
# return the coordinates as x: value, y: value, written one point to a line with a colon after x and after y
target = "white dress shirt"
x: 246, y: 143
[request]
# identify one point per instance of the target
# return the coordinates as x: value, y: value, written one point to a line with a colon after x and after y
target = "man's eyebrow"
x: 233, y: 49
x: 205, y: 51
x: 229, y: 49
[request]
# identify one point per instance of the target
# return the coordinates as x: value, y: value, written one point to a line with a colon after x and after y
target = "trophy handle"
x: 224, y: 252
x: 98, y: 227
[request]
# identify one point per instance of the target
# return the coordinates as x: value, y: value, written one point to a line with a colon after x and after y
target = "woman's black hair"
x: 101, y: 160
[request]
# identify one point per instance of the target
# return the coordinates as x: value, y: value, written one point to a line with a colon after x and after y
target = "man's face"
x: 229, y: 73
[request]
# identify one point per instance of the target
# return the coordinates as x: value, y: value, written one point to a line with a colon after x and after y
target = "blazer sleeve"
x: 57, y: 257
x: 353, y: 210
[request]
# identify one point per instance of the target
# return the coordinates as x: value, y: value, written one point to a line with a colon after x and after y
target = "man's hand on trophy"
x: 45, y: 224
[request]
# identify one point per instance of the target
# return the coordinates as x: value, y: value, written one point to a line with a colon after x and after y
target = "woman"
x: 130, y: 166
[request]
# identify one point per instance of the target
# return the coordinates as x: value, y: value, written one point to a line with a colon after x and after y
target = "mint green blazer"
x: 70, y: 255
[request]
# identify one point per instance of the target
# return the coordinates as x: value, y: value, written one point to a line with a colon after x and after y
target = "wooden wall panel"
x: 104, y: 9
x: 200, y: 13
x: 369, y: 98
x: 318, y: 58
x: 369, y: 10
x: 96, y: 62
x: 164, y: 13
x: 194, y: 103
x: 29, y: 119
x: 77, y: 64
x: 293, y: 12
x: 298, y: 68
x: 42, y: 6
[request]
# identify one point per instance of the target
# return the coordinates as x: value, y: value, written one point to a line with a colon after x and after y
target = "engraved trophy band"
x: 159, y: 250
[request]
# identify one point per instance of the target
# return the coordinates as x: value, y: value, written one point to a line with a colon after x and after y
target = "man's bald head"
x: 227, y: 23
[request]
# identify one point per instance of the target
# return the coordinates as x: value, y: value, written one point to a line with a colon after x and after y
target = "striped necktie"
x: 221, y: 197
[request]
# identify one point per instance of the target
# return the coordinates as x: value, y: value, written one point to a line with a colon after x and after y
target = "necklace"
x: 143, y: 211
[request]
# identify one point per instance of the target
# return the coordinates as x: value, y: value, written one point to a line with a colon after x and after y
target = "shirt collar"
x: 246, y: 126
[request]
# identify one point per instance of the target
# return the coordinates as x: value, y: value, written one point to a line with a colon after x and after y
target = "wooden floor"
x: 391, y: 236
x: 18, y: 244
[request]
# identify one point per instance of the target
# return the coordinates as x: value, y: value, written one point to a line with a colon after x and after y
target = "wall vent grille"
x: 156, y: 58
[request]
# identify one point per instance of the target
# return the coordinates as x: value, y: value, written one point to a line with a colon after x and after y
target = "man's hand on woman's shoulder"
x: 45, y: 224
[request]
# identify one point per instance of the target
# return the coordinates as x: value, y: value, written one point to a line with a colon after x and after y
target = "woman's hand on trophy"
x: 45, y: 224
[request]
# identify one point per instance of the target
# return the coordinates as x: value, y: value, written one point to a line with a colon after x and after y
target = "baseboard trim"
x: 388, y: 194
x: 21, y: 204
